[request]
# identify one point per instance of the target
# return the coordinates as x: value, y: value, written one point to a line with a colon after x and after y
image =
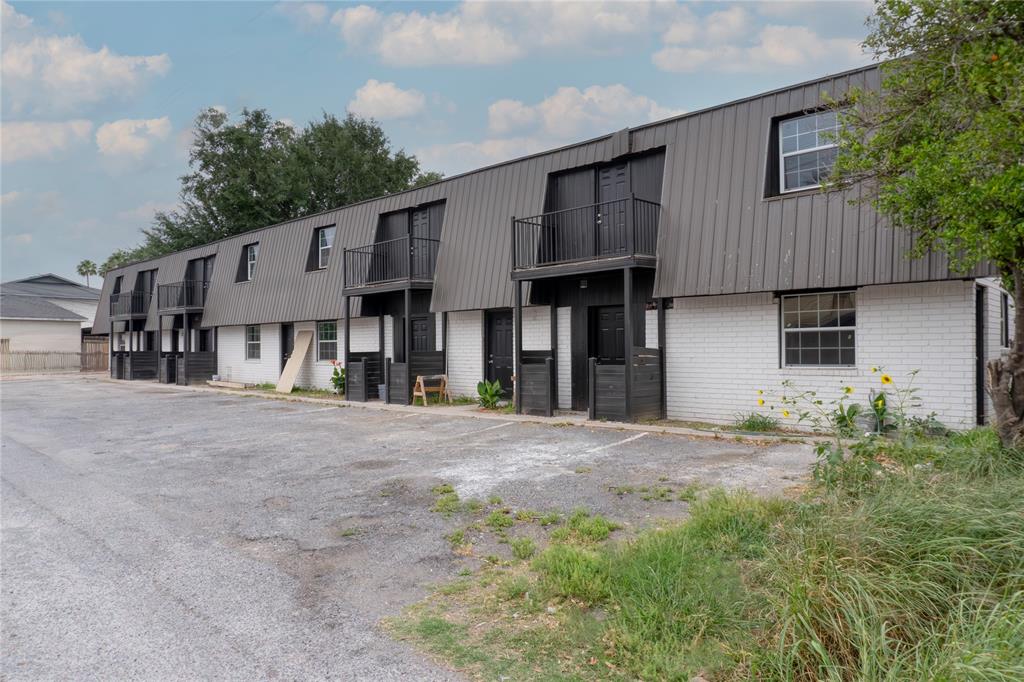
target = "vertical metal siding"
x: 719, y: 234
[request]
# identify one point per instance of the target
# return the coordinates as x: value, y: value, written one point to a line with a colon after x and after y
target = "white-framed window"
x: 252, y: 252
x: 807, y: 150
x: 252, y: 342
x: 326, y: 340
x: 819, y: 330
x: 324, y: 241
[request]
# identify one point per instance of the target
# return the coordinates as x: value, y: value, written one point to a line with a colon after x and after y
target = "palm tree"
x: 86, y: 268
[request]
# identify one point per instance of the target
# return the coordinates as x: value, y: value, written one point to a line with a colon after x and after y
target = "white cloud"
x: 21, y: 140
x: 20, y: 238
x: 518, y: 129
x: 571, y: 112
x: 8, y: 198
x: 131, y: 137
x: 145, y: 212
x: 306, y: 15
x: 385, y: 101
x: 60, y: 73
x: 480, y: 33
x: 774, y: 47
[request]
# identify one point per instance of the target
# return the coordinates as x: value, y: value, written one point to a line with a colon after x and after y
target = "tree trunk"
x: 1006, y: 376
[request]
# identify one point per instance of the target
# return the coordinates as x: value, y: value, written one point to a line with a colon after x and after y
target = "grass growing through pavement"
x: 909, y: 565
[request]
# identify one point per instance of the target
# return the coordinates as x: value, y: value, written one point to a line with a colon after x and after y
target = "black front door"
x: 608, y: 335
x: 287, y: 343
x: 422, y: 331
x: 612, y: 189
x: 499, y: 349
x: 420, y: 244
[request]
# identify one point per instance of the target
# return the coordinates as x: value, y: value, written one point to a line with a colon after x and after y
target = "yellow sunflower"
x: 760, y: 392
x: 785, y: 413
x: 847, y: 390
x: 760, y: 401
x: 874, y: 370
x: 886, y: 379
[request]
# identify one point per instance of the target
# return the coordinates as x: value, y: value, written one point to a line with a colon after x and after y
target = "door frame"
x: 506, y: 390
x: 286, y: 325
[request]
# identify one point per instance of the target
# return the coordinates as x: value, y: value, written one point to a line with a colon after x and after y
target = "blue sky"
x: 98, y: 98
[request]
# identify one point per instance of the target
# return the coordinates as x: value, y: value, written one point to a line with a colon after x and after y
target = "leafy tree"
x: 86, y: 269
x: 117, y: 259
x: 258, y: 171
x: 939, y: 149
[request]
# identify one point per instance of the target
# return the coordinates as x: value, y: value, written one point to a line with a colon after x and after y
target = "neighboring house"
x: 673, y: 269
x: 72, y: 296
x: 28, y: 323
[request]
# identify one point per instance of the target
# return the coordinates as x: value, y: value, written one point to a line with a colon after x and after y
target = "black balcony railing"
x: 609, y: 229
x: 395, y: 260
x: 188, y: 294
x: 129, y: 303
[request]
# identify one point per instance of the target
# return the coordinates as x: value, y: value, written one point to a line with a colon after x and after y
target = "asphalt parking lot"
x: 150, y: 532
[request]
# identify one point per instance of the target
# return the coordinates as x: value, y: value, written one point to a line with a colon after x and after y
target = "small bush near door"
x: 489, y: 393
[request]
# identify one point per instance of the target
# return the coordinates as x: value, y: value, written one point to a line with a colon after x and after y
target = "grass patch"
x: 550, y: 519
x: 908, y: 564
x: 494, y: 500
x: 522, y: 548
x: 658, y: 493
x: 756, y: 422
x: 498, y: 519
x: 583, y: 528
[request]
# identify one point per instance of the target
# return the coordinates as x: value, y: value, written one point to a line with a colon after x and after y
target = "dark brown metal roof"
x: 718, y: 234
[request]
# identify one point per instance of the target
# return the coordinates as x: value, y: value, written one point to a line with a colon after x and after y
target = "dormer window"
x: 807, y: 150
x: 247, y: 263
x: 320, y: 248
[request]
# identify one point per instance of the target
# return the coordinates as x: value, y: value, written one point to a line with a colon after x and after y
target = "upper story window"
x: 247, y: 263
x: 819, y: 329
x: 807, y: 150
x: 326, y: 340
x: 320, y: 248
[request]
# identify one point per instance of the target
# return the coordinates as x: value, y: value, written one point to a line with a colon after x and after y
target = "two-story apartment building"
x: 672, y: 269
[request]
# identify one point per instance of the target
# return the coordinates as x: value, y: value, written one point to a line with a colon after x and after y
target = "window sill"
x: 810, y: 191
x: 843, y: 370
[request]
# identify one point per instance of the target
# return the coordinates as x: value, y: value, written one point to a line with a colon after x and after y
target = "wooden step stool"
x: 424, y: 387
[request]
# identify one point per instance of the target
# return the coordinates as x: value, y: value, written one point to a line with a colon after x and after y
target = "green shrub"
x: 489, y: 393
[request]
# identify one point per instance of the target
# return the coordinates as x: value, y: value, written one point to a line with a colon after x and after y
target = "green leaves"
x: 259, y: 171
x: 940, y: 146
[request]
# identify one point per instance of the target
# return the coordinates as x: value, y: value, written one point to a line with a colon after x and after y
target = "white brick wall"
x: 563, y: 357
x: 651, y: 331
x: 722, y: 349
x: 465, y: 351
x: 536, y: 328
x: 231, y: 362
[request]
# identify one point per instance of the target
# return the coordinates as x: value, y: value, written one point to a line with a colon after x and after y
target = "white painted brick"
x: 721, y: 349
x: 563, y: 358
x: 231, y: 362
x: 536, y: 328
x: 465, y: 351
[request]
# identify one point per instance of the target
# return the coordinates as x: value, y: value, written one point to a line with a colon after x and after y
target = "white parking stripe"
x: 295, y: 414
x: 621, y: 442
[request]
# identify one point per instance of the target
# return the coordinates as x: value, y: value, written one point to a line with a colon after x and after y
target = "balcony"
x: 184, y: 296
x: 406, y: 262
x: 129, y: 304
x: 599, y: 236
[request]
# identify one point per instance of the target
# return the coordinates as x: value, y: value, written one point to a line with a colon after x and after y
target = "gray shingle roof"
x: 50, y: 285
x: 33, y: 308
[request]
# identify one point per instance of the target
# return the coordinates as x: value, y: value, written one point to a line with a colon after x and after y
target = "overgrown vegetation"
x: 905, y: 560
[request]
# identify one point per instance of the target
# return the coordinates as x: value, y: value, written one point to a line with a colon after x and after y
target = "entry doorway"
x: 612, y: 187
x: 608, y: 334
x: 287, y: 343
x: 499, y: 349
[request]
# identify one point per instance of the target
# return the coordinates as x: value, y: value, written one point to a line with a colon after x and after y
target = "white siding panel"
x: 231, y: 362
